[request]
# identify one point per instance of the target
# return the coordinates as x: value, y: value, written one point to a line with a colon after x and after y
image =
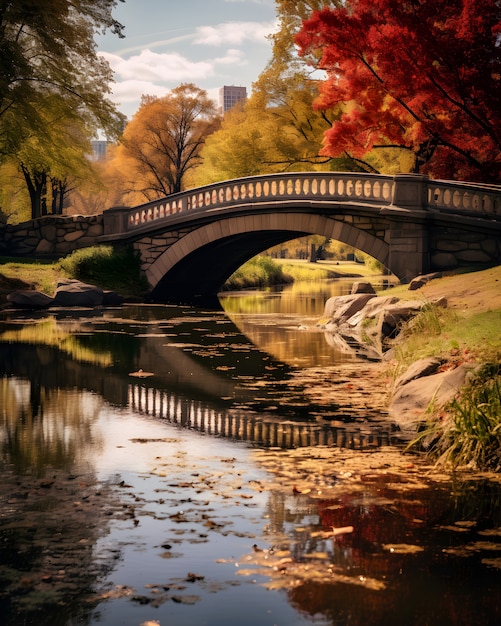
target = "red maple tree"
x: 419, y: 74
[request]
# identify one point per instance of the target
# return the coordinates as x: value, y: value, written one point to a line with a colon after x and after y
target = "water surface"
x: 195, y: 467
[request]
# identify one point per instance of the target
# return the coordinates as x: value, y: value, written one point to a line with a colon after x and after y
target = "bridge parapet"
x: 302, y: 186
x: 403, y: 191
x: 467, y: 198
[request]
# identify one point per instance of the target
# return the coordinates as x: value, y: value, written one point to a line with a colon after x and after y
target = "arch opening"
x: 193, y: 270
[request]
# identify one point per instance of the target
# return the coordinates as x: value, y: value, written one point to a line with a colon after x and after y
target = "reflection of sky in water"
x: 197, y: 513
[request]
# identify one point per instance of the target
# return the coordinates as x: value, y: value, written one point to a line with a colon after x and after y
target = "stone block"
x: 473, y: 256
x: 44, y: 247
x: 444, y: 260
x: 73, y: 235
x: 95, y: 230
x: 49, y: 232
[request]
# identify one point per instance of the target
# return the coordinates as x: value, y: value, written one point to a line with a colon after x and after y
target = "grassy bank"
x: 468, y: 430
x: 264, y: 271
x: 112, y: 269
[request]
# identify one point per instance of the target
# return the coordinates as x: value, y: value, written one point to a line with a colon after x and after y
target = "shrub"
x: 260, y: 271
x: 118, y: 268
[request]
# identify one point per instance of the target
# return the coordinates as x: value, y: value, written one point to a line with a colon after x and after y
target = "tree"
x: 48, y: 48
x: 418, y: 75
x: 162, y: 142
x: 53, y: 161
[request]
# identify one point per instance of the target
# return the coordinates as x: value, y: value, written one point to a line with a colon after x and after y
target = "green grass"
x: 265, y: 271
x: 467, y: 431
x: 116, y: 269
x: 260, y: 271
x: 441, y: 332
x: 19, y: 273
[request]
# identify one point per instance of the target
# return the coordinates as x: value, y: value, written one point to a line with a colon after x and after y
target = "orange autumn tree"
x: 162, y: 142
x: 419, y: 75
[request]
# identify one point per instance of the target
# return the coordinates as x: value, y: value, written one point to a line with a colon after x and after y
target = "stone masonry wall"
x: 455, y: 247
x: 50, y: 236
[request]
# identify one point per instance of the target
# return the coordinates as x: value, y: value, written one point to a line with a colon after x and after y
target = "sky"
x: 168, y: 42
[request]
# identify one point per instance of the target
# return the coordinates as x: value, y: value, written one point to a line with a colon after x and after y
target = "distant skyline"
x: 211, y: 43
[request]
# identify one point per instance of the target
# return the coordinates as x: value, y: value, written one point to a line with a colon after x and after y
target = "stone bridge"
x: 191, y: 242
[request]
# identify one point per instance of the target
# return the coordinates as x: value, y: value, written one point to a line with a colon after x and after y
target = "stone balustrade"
x: 352, y: 187
x: 465, y: 198
x: 360, y: 188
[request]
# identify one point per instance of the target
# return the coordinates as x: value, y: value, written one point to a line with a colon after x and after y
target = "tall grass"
x: 469, y: 432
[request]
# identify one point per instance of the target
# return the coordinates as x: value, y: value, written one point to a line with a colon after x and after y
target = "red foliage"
x: 418, y: 74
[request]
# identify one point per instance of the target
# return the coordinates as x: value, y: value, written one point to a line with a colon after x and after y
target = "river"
x: 173, y: 466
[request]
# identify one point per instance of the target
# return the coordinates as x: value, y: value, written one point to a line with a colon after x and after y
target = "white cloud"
x: 233, y: 57
x: 233, y: 33
x: 130, y: 91
x: 163, y: 67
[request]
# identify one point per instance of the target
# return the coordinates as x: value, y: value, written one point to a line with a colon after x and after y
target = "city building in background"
x: 229, y: 95
x: 99, y: 148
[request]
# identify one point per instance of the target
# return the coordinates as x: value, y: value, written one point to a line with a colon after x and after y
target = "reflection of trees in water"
x: 52, y: 510
x: 49, y: 332
x: 45, y: 428
x: 398, y: 538
x: 48, y: 533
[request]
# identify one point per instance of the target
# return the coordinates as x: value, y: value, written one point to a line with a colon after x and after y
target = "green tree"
x: 52, y: 162
x: 48, y: 48
x: 53, y: 92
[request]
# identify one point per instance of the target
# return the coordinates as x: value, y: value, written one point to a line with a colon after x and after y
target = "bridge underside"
x: 198, y: 277
x: 192, y: 267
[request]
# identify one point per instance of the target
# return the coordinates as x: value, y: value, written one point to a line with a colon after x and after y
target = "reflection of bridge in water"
x: 252, y: 428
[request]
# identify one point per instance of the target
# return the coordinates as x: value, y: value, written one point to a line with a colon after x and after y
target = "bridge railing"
x: 357, y: 187
x: 468, y: 198
x: 401, y: 191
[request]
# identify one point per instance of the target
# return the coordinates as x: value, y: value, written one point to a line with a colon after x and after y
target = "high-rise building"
x: 99, y: 148
x: 229, y: 95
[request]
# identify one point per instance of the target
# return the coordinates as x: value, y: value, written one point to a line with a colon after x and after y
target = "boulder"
x: 75, y: 293
x: 111, y: 298
x: 341, y: 308
x: 392, y: 316
x: 419, y: 281
x: 372, y: 309
x: 362, y: 287
x: 423, y: 367
x: 411, y: 400
x: 30, y: 299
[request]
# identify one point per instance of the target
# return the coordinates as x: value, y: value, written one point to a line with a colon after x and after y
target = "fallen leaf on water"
x: 402, y: 548
x: 342, y: 530
x: 297, y: 491
x: 141, y: 374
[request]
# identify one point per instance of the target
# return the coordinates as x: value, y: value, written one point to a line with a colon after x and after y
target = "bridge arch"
x: 194, y: 268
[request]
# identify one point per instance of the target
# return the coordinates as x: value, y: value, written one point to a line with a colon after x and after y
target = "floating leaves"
x: 285, y: 572
x: 402, y: 548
